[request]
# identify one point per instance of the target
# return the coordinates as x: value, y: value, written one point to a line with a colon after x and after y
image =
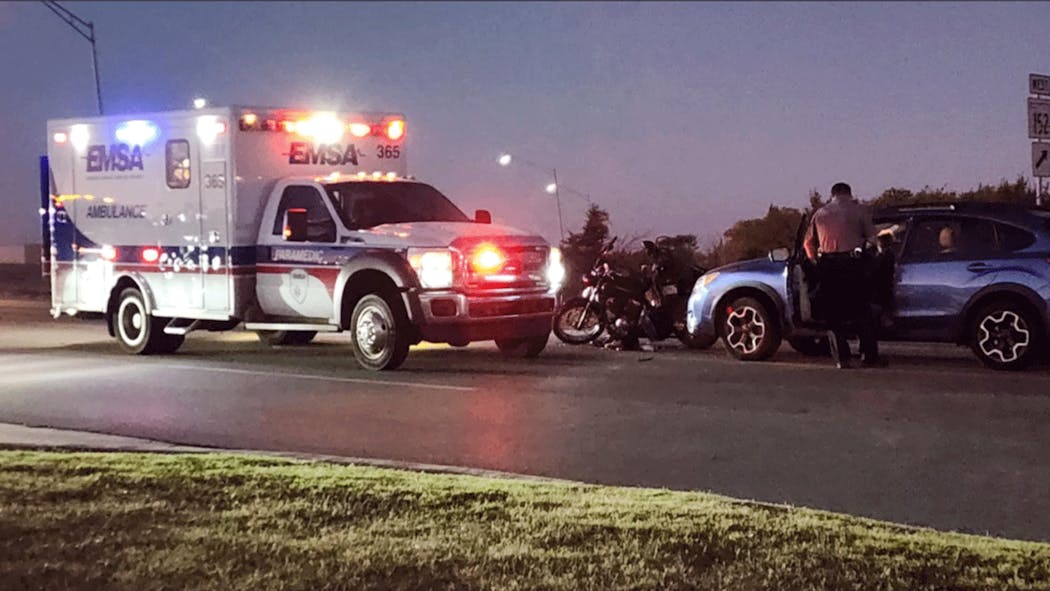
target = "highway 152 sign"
x: 1038, y: 119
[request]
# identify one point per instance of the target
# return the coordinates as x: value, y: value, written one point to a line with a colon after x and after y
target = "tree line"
x: 753, y: 238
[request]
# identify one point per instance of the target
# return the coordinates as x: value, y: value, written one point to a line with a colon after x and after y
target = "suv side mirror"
x: 295, y: 224
x: 779, y: 255
x: 482, y: 216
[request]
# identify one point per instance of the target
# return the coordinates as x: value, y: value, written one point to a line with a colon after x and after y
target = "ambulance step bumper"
x: 181, y: 326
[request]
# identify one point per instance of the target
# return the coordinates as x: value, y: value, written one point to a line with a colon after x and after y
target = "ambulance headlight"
x: 434, y: 267
x: 555, y: 270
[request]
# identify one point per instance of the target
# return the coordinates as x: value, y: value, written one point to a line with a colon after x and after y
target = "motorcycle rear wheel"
x: 578, y: 321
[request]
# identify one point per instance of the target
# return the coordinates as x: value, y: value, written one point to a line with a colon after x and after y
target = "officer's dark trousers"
x: 846, y: 296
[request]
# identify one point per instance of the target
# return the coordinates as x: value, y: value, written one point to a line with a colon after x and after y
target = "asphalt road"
x: 933, y: 440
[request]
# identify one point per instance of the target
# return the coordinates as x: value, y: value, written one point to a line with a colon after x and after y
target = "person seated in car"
x: 947, y: 239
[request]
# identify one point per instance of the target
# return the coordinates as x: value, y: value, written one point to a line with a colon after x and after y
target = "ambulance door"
x: 215, y: 258
x: 176, y: 279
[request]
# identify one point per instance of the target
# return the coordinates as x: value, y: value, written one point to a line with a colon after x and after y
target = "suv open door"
x: 800, y: 279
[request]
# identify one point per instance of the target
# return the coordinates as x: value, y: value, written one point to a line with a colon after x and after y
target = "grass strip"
x: 222, y: 521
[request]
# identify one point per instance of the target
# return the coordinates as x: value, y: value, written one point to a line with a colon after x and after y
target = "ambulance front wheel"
x: 380, y: 332
x: 137, y: 332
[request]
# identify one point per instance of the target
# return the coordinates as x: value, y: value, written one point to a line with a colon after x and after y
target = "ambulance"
x: 282, y: 221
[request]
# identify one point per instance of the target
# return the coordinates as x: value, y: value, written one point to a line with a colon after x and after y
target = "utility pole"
x: 85, y: 29
x: 557, y: 200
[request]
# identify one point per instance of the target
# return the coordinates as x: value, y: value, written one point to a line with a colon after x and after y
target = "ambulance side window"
x: 320, y: 225
x: 177, y: 162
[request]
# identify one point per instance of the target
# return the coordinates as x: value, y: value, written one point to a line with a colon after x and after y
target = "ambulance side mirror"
x: 482, y: 216
x: 295, y: 225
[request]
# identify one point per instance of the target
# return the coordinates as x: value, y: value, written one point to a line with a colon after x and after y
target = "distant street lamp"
x: 551, y: 188
x: 199, y: 103
x: 86, y: 30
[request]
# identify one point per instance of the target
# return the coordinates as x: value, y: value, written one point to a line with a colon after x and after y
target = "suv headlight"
x: 555, y: 269
x: 707, y: 279
x: 433, y: 266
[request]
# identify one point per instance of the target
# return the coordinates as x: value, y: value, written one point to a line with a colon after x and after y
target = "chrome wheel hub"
x: 131, y: 320
x: 745, y: 329
x: 1003, y: 337
x: 372, y: 332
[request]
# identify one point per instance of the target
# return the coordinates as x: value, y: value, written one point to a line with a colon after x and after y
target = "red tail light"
x: 150, y: 255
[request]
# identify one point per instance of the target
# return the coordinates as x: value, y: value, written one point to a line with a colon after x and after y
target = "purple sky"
x: 677, y: 118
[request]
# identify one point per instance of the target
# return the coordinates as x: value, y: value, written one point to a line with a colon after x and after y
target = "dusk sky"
x: 677, y: 117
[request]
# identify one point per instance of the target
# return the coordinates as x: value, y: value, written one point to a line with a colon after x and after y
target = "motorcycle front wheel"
x: 578, y: 321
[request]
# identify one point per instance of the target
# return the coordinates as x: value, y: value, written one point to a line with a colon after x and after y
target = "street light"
x: 552, y: 188
x: 199, y: 103
x: 86, y: 30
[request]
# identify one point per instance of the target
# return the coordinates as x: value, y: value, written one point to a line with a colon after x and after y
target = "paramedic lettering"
x: 118, y: 157
x: 334, y: 154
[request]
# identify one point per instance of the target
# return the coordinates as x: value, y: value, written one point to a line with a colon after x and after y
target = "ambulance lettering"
x: 328, y: 154
x: 117, y: 211
x: 117, y: 157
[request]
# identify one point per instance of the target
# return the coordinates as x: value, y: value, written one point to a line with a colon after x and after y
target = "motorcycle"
x: 669, y: 284
x: 611, y: 302
x: 627, y: 306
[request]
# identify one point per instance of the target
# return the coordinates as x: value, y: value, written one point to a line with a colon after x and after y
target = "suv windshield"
x: 366, y: 204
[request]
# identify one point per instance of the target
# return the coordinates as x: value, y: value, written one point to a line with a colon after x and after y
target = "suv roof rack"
x: 932, y: 207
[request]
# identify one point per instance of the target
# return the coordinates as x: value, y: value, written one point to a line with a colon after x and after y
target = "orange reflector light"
x: 150, y: 255
x: 395, y: 129
x: 249, y: 118
x: 360, y: 129
x: 60, y: 137
x: 487, y: 259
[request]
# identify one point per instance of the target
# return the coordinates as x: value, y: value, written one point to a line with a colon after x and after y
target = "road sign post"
x: 1039, y: 129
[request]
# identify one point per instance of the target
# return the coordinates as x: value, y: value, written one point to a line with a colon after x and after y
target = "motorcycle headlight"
x: 555, y: 269
x: 433, y: 266
x: 707, y: 278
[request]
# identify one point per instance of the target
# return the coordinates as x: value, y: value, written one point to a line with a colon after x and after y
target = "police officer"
x: 835, y: 243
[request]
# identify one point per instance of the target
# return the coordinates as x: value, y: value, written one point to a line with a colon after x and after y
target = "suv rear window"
x: 1013, y: 239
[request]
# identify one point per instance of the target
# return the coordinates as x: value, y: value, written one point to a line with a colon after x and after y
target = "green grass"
x: 214, y: 521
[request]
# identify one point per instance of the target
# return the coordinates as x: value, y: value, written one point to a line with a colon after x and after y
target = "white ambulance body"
x: 285, y: 221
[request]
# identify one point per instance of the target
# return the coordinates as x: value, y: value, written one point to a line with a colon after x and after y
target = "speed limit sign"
x: 1038, y: 119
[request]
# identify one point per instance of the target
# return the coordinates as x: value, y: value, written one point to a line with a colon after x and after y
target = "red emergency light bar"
x: 393, y: 129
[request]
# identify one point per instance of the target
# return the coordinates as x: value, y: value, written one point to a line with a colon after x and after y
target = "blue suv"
x: 975, y: 274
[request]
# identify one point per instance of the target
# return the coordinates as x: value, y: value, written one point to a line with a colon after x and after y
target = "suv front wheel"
x: 749, y: 330
x: 1005, y: 335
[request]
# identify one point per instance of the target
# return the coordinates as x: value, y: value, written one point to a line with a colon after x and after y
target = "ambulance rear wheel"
x: 286, y: 337
x: 137, y: 332
x: 380, y: 332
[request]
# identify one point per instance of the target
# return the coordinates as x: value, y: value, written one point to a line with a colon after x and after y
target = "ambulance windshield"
x: 366, y: 204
